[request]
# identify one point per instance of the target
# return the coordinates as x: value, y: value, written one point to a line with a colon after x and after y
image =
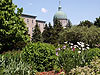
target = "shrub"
x: 13, y: 30
x: 68, y: 59
x: 11, y: 63
x: 84, y: 34
x: 42, y: 56
x: 92, y: 69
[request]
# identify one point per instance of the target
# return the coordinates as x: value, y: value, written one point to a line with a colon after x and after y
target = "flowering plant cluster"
x: 79, y: 45
x: 92, y: 69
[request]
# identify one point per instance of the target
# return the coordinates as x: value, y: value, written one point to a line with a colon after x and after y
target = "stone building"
x: 31, y: 22
x: 61, y: 16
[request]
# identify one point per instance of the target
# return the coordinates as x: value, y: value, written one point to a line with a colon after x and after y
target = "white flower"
x: 87, y: 47
x: 75, y: 46
x: 65, y: 42
x: 79, y: 48
x: 78, y: 43
x: 83, y: 48
x: 71, y: 46
x: 71, y: 43
x: 87, y: 44
x: 79, y: 51
x: 82, y: 45
x: 64, y: 27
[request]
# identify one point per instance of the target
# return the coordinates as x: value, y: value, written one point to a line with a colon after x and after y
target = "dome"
x: 60, y: 15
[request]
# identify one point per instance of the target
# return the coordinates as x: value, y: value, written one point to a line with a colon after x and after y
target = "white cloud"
x: 44, y: 10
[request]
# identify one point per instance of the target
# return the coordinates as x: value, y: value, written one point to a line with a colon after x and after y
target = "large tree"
x: 36, y: 36
x: 13, y: 30
x: 97, y: 22
x: 84, y: 34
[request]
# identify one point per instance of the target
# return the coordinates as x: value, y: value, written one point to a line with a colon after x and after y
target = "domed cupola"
x: 60, y: 14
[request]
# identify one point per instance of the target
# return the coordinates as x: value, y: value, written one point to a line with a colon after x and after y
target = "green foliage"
x: 92, y: 69
x: 12, y: 27
x: 47, y: 33
x: 36, y: 36
x: 86, y: 23
x: 69, y: 59
x: 69, y: 25
x: 41, y: 55
x: 51, y: 33
x: 97, y: 22
x: 57, y: 28
x: 11, y: 63
x: 84, y: 34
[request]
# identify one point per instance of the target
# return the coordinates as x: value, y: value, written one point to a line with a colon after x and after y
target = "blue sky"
x: 76, y: 10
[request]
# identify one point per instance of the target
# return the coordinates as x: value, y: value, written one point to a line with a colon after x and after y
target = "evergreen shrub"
x: 42, y: 56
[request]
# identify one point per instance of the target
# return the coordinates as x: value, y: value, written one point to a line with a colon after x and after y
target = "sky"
x: 76, y: 10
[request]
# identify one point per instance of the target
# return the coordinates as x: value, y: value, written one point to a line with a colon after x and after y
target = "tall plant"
x: 36, y: 36
x: 13, y: 30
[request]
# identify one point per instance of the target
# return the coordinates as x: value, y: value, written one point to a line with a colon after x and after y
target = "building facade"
x: 31, y: 22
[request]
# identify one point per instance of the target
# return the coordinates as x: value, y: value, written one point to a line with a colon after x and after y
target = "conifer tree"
x: 97, y: 22
x: 50, y: 32
x: 69, y: 25
x: 57, y: 28
x: 47, y: 33
x: 36, y: 36
x: 13, y: 31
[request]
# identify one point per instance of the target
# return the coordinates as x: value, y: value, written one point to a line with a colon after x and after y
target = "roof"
x: 60, y: 15
x: 30, y: 16
x: 40, y: 21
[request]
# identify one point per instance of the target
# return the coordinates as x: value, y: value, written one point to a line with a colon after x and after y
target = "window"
x: 27, y: 20
x: 39, y: 25
x: 43, y: 25
x: 32, y: 21
x: 32, y: 29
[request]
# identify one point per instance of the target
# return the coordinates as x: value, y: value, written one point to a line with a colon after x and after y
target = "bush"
x: 11, y: 63
x: 92, y: 69
x: 42, y: 56
x: 84, y: 34
x: 13, y: 30
x: 68, y: 59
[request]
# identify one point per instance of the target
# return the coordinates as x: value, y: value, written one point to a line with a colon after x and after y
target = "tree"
x: 69, y: 24
x: 47, y: 33
x: 36, y: 36
x: 84, y: 34
x: 97, y: 22
x: 13, y: 30
x: 57, y: 28
x: 86, y: 23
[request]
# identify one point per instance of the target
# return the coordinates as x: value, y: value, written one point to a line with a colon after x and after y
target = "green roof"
x: 60, y: 15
